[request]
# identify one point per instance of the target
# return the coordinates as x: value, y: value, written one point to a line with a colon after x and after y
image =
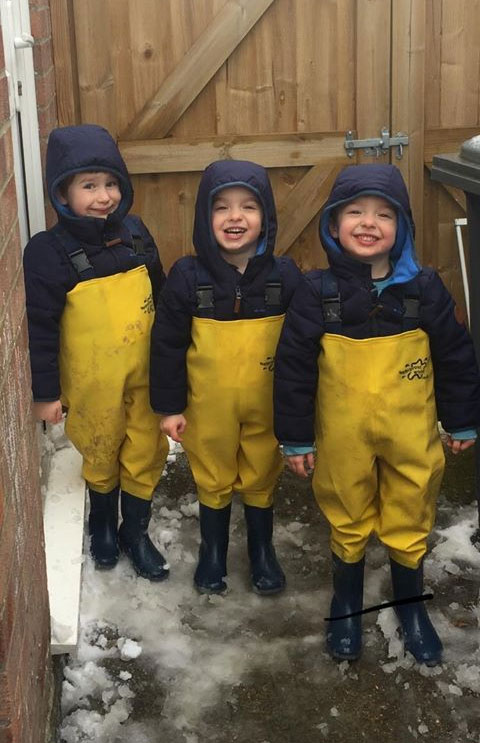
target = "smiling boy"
x: 90, y: 194
x: 370, y: 357
x: 91, y: 283
x: 213, y: 342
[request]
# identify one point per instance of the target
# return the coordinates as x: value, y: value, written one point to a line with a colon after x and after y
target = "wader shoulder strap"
x: 331, y: 307
x: 204, y: 291
x: 273, y: 286
x: 75, y: 253
x: 132, y: 225
x: 411, y: 305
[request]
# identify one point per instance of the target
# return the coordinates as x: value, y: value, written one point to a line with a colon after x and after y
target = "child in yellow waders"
x: 370, y: 356
x: 89, y: 285
x: 213, y: 344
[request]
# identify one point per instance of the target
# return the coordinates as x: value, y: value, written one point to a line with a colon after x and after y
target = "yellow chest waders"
x: 104, y: 362
x: 379, y: 461
x: 229, y: 435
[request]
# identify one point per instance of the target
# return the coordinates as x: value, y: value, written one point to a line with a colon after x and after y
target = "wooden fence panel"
x: 180, y: 83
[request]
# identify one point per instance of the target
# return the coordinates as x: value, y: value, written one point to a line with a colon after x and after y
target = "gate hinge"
x: 376, y: 147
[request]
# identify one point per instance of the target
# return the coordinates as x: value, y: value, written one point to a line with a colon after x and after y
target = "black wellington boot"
x: 212, y: 558
x: 135, y: 542
x: 419, y: 634
x: 344, y: 636
x: 103, y: 528
x: 267, y: 575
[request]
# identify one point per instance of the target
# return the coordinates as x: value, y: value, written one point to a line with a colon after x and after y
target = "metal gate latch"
x: 376, y: 147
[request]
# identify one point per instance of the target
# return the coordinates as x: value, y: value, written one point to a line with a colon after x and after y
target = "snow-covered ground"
x: 160, y: 663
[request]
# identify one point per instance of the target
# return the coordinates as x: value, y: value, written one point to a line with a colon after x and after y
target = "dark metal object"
x: 386, y: 605
x: 462, y: 170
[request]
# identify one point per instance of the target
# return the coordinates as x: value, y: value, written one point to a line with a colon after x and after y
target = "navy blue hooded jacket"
x: 171, y: 333
x: 368, y: 311
x: 49, y: 273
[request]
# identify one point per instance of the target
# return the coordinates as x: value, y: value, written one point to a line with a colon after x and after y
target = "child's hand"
x: 173, y: 426
x: 48, y: 411
x: 458, y: 445
x: 301, y: 464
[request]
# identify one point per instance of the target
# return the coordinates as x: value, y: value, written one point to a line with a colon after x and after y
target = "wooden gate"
x: 180, y: 83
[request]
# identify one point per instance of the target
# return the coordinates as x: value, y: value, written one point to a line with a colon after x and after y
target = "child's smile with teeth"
x: 366, y: 229
x: 236, y: 222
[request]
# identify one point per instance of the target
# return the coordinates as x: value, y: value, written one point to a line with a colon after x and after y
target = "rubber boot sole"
x: 268, y: 591
x: 210, y: 591
x: 155, y: 578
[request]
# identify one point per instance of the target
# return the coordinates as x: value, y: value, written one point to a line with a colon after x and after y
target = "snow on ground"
x: 154, y: 659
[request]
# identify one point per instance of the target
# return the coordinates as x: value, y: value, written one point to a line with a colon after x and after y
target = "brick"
x: 45, y: 87
x: 10, y: 327
x: 6, y: 156
x: 3, y: 498
x: 33, y: 640
x: 7, y: 541
x: 21, y: 363
x: 8, y: 207
x: 10, y: 260
x: 2, y: 54
x: 4, y: 102
x: 9, y: 430
x: 47, y: 118
x: 42, y: 56
x: 11, y: 666
x: 38, y: 4
x: 40, y: 23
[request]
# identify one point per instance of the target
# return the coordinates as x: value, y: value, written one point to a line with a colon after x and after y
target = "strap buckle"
x: 205, y: 297
x: 80, y: 261
x: 332, y: 309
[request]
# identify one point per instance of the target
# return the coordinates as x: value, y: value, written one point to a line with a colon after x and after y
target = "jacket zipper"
x: 238, y: 299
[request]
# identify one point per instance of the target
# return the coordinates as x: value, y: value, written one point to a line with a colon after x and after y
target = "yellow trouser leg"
x: 408, y: 494
x: 144, y: 449
x: 259, y: 464
x: 347, y: 495
x: 95, y: 425
x: 211, y: 444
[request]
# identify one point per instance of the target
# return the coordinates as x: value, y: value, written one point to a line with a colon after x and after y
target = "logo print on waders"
x: 268, y: 364
x: 147, y: 305
x: 416, y: 370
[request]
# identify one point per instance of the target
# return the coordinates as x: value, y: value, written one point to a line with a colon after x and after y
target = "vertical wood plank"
x: 408, y: 66
x: 95, y: 74
x: 124, y: 56
x: 373, y: 39
x: 65, y: 60
x: 460, y: 63
x: 433, y: 58
x: 325, y: 71
x: 344, y: 41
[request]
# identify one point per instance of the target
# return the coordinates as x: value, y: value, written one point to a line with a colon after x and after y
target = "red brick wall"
x: 44, y: 80
x: 25, y: 669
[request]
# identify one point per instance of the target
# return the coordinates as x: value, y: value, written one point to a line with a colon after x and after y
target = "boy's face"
x: 366, y: 229
x: 92, y: 195
x: 236, y: 221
